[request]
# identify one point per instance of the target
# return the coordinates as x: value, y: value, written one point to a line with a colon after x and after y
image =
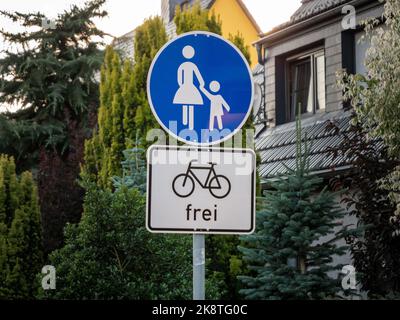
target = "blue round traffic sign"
x: 200, y: 88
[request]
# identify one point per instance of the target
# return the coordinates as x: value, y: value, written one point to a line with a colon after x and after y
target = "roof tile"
x: 277, y: 146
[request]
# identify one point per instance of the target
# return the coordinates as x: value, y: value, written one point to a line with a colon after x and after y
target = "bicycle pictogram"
x: 184, y: 184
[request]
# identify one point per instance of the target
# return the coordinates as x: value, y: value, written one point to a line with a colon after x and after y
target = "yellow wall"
x: 233, y: 20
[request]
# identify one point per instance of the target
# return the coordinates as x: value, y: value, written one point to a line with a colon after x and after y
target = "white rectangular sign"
x: 200, y: 190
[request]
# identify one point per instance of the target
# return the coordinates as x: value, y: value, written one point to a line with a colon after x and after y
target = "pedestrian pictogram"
x: 200, y: 88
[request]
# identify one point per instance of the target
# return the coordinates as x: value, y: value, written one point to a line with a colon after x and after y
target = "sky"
x: 125, y: 15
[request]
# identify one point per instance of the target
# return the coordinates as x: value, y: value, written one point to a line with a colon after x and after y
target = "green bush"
x: 111, y: 255
x: 20, y: 233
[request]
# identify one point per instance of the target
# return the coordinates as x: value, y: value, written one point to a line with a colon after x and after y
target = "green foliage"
x: 124, y: 112
x: 376, y: 252
x: 294, y: 223
x: 196, y: 19
x: 103, y: 153
x: 376, y: 97
x: 128, y: 96
x: 149, y: 38
x: 224, y: 264
x: 111, y: 255
x: 51, y: 77
x: 134, y: 171
x: 238, y: 41
x: 20, y: 233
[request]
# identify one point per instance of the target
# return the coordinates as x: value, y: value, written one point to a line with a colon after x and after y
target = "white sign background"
x: 168, y: 213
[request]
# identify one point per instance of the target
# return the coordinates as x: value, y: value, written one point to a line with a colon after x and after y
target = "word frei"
x: 204, y: 214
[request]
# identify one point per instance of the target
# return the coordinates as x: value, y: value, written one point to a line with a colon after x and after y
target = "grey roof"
x: 311, y: 8
x: 308, y: 9
x: 277, y: 146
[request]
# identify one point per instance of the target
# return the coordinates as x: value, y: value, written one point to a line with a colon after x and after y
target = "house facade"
x: 300, y: 59
x: 235, y: 17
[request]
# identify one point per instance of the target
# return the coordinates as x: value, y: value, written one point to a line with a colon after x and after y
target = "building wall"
x: 337, y: 51
x: 234, y: 20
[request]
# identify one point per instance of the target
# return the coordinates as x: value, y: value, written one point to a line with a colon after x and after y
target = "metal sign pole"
x: 199, y: 263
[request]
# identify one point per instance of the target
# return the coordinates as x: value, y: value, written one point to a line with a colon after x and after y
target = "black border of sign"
x: 199, y: 231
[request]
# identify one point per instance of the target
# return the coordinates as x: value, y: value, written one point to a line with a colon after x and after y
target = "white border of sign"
x: 193, y: 231
x: 151, y: 102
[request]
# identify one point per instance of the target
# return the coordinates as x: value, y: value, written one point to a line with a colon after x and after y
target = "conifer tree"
x: 20, y: 233
x: 52, y: 77
x: 128, y: 96
x: 289, y: 256
x: 238, y: 41
x: 149, y: 39
x: 124, y: 113
x: 196, y: 18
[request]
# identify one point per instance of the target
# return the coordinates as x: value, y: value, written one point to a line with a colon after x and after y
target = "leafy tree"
x: 376, y: 97
x: 51, y: 76
x: 376, y: 251
x: 289, y: 256
x: 20, y: 233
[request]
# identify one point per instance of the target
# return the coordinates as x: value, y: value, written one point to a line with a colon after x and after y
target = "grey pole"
x: 199, y: 262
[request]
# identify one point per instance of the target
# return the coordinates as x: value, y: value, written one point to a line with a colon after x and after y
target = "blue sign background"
x: 217, y: 60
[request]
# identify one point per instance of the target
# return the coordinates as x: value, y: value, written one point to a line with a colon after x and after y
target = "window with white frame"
x: 306, y: 84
